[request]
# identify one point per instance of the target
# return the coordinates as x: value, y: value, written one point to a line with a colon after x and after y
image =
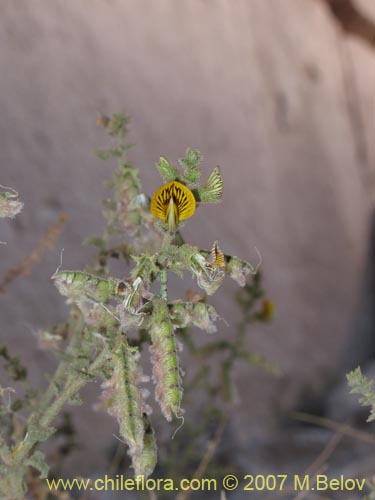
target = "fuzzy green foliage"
x: 77, y: 284
x: 166, y: 369
x: 146, y: 462
x: 360, y: 384
x: 114, y: 318
x: 167, y: 171
x: 190, y: 163
x: 124, y: 400
x: 211, y: 380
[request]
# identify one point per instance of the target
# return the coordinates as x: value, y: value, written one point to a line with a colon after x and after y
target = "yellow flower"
x: 172, y: 203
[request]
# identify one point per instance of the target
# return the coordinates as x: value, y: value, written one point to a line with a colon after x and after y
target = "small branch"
x: 73, y: 385
x: 36, y: 254
x: 319, y: 463
x: 50, y: 392
x: 345, y: 429
x: 324, y: 455
x: 317, y: 467
x: 207, y: 457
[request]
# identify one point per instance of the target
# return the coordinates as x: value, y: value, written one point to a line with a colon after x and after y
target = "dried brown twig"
x: 344, y: 429
x: 207, y: 457
x: 319, y: 464
x: 24, y: 268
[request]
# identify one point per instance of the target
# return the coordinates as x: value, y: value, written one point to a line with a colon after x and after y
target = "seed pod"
x: 199, y: 314
x: 90, y: 293
x: 164, y: 357
x: 75, y: 284
x: 124, y: 400
x: 144, y: 463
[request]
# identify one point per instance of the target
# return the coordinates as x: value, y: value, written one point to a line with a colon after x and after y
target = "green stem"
x: 164, y: 284
x: 166, y: 242
x: 164, y: 272
x: 73, y: 385
x: 60, y: 372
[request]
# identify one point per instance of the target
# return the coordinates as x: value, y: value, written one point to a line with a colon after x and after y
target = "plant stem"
x: 164, y: 284
x: 73, y: 385
x: 59, y: 373
x: 164, y: 272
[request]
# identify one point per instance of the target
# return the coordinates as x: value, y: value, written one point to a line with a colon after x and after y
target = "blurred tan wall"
x: 269, y: 89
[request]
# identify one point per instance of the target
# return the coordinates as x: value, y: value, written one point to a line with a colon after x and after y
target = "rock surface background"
x: 274, y: 92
